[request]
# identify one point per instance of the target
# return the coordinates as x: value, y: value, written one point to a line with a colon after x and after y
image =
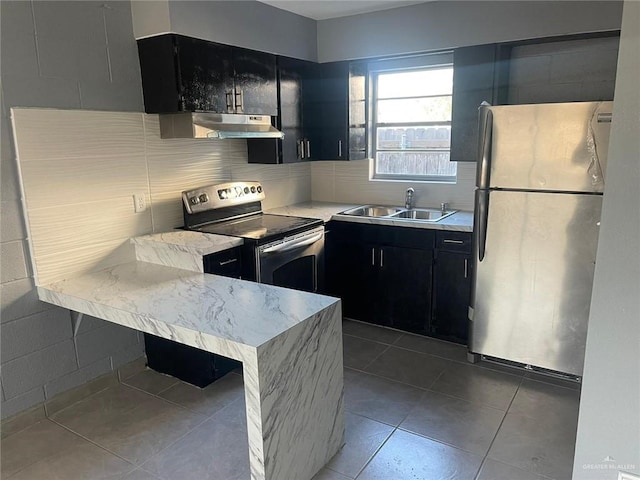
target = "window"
x: 411, y: 120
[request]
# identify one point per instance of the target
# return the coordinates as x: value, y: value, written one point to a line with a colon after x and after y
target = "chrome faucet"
x: 408, y: 199
x: 444, y: 207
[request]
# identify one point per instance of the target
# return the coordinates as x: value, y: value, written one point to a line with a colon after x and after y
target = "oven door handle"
x: 286, y: 246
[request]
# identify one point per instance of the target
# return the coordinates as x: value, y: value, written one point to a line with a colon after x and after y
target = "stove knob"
x: 246, y: 190
x: 194, y: 200
x: 253, y: 189
x: 204, y: 198
x: 259, y: 189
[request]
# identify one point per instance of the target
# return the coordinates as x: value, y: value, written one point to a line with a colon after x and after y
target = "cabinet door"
x: 335, y: 113
x: 406, y: 285
x: 358, y: 282
x: 473, y: 83
x: 205, y: 75
x: 290, y: 118
x: 452, y: 290
x: 325, y: 110
x: 255, y: 82
x: 357, y: 111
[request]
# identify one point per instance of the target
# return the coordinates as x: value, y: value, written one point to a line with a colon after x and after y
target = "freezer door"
x: 532, y: 289
x: 551, y: 147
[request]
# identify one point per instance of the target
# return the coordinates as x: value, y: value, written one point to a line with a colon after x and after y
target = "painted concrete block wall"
x: 62, y: 55
x: 570, y: 71
x: 442, y: 25
x: 608, y: 437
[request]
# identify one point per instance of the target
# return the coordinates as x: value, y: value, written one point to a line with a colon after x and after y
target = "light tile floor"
x: 415, y: 409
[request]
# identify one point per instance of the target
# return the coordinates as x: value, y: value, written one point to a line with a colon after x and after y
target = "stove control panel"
x: 222, y: 195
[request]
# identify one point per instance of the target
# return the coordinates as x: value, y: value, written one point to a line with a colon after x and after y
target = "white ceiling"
x: 323, y: 9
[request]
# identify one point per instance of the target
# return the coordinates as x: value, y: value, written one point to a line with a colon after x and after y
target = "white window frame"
x: 375, y: 68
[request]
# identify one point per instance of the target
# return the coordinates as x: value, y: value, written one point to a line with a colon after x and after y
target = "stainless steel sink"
x: 399, y: 213
x: 372, y: 211
x: 423, y: 214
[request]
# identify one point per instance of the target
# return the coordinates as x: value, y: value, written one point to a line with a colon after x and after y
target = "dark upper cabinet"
x: 290, y: 119
x: 334, y: 106
x: 183, y: 74
x: 255, y: 76
x: 480, y: 73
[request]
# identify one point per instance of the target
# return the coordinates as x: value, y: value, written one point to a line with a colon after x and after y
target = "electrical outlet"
x: 139, y: 203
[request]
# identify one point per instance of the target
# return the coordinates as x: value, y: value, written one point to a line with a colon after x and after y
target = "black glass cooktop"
x: 261, y: 226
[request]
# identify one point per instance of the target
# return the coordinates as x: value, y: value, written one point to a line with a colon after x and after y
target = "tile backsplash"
x: 80, y: 170
x: 348, y: 182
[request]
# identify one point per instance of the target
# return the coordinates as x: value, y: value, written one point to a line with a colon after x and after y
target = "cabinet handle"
x: 229, y: 99
x: 227, y: 262
x: 381, y: 258
x: 239, y: 106
x: 298, y: 149
x: 457, y: 242
x: 466, y: 268
x: 308, y: 148
x: 373, y: 256
x: 339, y: 148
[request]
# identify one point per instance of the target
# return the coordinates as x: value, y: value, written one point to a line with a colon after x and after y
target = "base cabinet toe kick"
x: 289, y: 343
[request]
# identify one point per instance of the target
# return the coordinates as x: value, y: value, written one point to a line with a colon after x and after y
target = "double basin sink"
x: 399, y: 213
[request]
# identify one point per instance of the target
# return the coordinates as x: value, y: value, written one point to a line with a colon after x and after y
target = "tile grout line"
x: 498, y: 430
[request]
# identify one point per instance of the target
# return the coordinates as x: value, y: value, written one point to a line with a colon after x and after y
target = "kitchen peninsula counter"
x: 290, y: 344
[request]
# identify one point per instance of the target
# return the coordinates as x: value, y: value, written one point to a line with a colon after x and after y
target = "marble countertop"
x: 190, y: 307
x: 196, y: 243
x: 460, y: 221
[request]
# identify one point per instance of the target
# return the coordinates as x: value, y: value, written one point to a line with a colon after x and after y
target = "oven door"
x: 293, y: 262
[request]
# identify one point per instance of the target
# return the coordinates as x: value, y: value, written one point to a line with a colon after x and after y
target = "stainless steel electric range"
x: 279, y: 250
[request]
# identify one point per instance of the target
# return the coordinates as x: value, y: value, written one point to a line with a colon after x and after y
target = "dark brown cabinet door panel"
x: 205, y: 73
x: 255, y: 82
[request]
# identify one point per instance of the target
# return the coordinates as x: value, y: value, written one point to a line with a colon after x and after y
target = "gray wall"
x: 448, y: 24
x: 78, y: 55
x: 609, y: 420
x: 248, y: 24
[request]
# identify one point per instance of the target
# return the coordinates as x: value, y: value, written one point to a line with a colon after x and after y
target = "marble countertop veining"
x: 196, y: 243
x: 461, y: 221
x: 321, y: 210
x: 186, y: 306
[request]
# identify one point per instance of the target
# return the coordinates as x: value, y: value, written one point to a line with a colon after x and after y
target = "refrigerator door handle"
x: 481, y: 220
x: 485, y: 131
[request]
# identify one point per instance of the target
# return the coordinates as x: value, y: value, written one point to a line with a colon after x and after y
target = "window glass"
x: 411, y: 123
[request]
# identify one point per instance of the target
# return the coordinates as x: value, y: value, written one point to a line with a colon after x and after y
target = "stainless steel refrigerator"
x: 540, y: 180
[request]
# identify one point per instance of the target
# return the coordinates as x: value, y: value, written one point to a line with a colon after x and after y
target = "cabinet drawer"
x: 227, y: 263
x: 453, y: 241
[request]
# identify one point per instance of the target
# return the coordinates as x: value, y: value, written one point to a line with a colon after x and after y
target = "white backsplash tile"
x: 70, y: 263
x: 70, y: 227
x: 348, y: 182
x: 64, y: 181
x: 54, y: 134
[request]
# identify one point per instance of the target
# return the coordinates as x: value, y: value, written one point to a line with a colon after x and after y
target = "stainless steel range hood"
x: 216, y: 125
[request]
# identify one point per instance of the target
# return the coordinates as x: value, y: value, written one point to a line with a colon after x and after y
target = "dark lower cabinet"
x: 191, y: 364
x: 416, y: 280
x: 382, y: 274
x: 406, y: 285
x: 451, y: 286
